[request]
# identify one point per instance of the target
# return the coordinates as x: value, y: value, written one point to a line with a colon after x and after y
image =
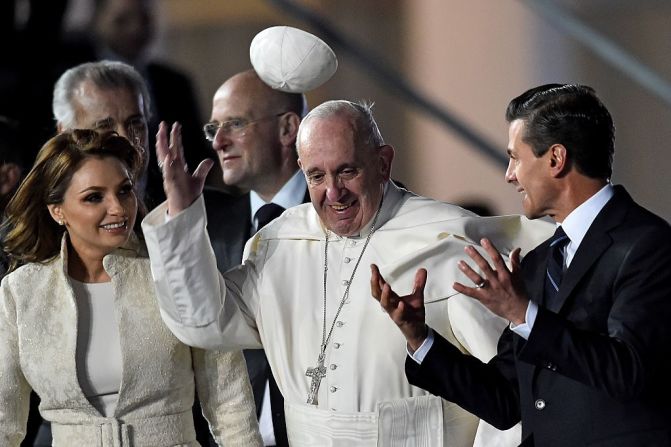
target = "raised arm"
x: 197, y: 304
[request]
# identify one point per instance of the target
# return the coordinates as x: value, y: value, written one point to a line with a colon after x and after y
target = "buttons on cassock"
x: 539, y: 404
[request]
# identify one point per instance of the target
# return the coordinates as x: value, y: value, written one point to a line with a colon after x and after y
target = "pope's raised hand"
x: 181, y: 187
x: 406, y: 311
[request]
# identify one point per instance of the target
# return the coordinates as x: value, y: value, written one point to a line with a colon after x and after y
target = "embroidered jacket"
x: 38, y: 342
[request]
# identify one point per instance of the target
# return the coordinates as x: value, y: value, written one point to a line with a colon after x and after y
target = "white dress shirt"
x: 575, y: 226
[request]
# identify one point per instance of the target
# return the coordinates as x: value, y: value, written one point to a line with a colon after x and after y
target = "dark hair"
x: 32, y: 234
x: 573, y: 116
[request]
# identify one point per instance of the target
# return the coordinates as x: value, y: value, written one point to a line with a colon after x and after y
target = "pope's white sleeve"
x: 197, y: 304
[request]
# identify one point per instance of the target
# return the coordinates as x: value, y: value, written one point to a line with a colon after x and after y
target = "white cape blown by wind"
x: 291, y: 60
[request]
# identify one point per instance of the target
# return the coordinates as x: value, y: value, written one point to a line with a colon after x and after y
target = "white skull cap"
x: 291, y: 60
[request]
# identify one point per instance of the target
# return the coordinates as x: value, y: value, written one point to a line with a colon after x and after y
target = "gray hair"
x: 367, y: 131
x: 103, y: 74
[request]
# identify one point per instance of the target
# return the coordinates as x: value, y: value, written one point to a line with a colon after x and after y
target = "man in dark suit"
x: 253, y: 131
x: 585, y: 360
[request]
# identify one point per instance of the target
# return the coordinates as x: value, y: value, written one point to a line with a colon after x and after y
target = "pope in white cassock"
x: 303, y: 290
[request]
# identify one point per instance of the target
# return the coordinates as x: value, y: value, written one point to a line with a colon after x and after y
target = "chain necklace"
x: 317, y: 373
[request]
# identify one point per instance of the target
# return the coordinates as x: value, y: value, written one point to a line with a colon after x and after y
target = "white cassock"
x: 275, y: 300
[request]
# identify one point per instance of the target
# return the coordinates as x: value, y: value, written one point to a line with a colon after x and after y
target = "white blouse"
x: 99, y: 362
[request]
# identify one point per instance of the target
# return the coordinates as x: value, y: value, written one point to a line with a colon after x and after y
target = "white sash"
x: 425, y: 421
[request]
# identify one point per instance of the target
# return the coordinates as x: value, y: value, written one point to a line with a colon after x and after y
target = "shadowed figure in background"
x: 124, y: 30
x: 35, y: 53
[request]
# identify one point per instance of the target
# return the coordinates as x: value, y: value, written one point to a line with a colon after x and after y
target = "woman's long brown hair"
x: 31, y: 234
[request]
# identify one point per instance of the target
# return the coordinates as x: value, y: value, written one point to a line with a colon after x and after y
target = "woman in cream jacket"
x: 71, y: 223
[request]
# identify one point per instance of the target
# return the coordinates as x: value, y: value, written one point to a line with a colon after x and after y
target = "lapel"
x: 596, y: 242
x: 228, y: 226
x: 240, y: 229
x: 534, y: 268
x: 128, y: 287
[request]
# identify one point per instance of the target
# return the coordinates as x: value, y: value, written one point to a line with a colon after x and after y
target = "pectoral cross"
x: 316, y: 375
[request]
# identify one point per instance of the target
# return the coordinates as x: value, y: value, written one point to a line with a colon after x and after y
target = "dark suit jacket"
x: 228, y: 225
x: 173, y: 99
x: 596, y: 368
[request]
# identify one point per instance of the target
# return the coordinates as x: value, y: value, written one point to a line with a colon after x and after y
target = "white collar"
x: 579, y: 220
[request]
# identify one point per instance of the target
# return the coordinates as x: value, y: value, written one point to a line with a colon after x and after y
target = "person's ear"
x: 385, y: 157
x: 288, y: 128
x: 558, y: 160
x: 56, y: 213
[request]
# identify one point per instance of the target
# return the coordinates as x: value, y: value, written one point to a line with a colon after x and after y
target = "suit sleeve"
x: 197, y: 304
x: 14, y: 389
x: 226, y: 397
x: 488, y: 390
x: 630, y: 354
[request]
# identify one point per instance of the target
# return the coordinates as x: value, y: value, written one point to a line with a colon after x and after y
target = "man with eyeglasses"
x: 253, y: 132
x: 303, y: 290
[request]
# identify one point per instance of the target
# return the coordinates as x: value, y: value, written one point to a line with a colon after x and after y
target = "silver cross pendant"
x: 316, y: 375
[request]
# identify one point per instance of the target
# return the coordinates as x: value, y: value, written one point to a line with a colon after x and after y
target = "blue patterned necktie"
x: 555, y: 267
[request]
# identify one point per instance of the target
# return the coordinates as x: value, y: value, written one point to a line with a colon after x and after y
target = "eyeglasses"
x: 231, y: 126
